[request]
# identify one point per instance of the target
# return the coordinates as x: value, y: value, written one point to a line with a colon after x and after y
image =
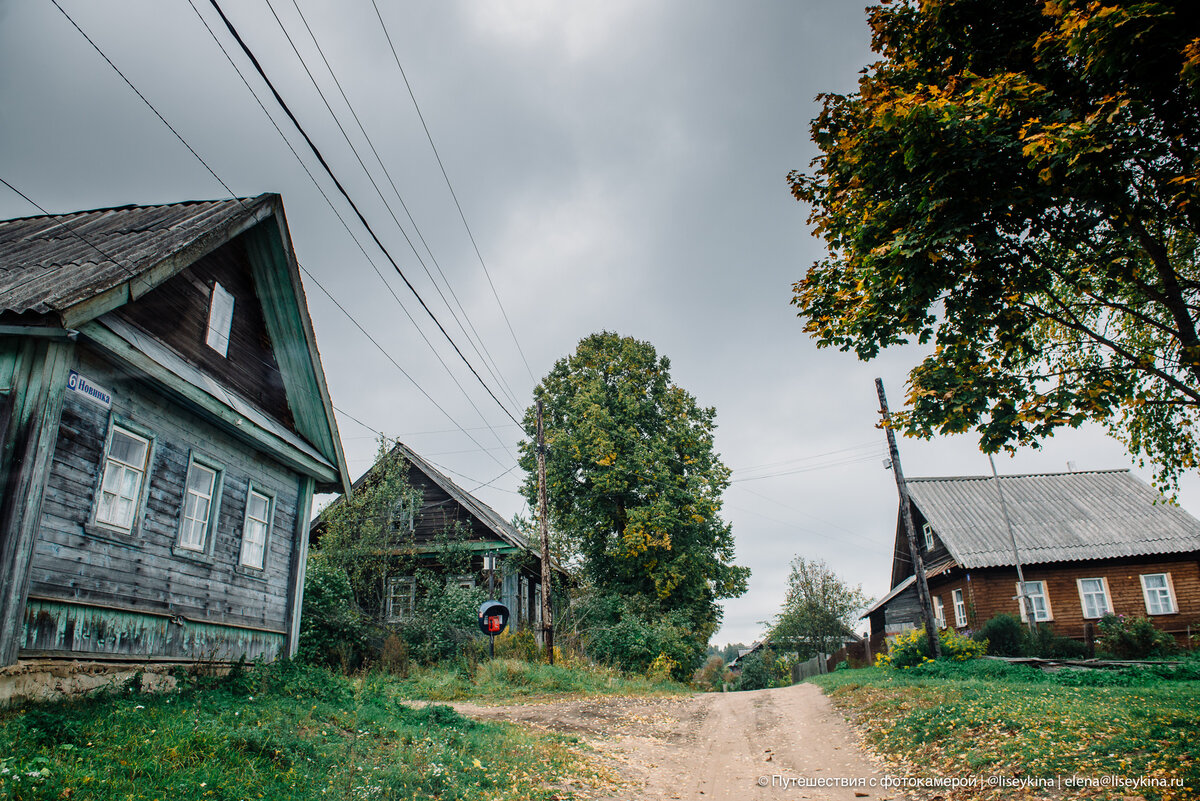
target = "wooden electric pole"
x: 1023, y: 599
x: 544, y: 522
x: 931, y: 631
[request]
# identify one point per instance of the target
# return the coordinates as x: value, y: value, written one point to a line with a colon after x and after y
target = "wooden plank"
x: 36, y: 410
x: 299, y: 565
x: 205, y: 403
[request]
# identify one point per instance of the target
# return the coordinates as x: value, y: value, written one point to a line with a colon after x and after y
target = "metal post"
x: 931, y: 632
x: 547, y: 621
x: 1023, y: 599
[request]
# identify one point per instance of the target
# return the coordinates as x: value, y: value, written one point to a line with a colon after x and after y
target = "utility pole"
x: 1023, y: 599
x: 931, y: 632
x: 547, y: 621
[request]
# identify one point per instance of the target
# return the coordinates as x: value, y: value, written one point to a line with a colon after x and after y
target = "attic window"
x: 927, y: 533
x: 220, y: 319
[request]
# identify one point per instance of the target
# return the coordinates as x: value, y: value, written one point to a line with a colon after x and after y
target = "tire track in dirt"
x: 745, y: 745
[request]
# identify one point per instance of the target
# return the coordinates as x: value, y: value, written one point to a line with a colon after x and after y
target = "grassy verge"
x: 276, y: 732
x: 501, y: 680
x: 989, y: 719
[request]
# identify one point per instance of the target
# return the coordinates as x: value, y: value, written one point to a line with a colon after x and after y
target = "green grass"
x: 989, y: 718
x: 518, y: 680
x: 276, y: 732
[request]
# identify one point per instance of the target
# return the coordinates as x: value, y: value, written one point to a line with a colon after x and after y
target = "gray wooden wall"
x: 144, y: 572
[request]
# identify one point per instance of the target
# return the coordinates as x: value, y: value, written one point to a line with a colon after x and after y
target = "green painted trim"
x: 474, y: 547
x: 284, y: 451
x: 40, y: 376
x: 299, y: 564
x: 99, y: 630
x: 285, y: 310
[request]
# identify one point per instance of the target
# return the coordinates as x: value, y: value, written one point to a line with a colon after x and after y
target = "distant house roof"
x: 484, y: 513
x: 51, y: 264
x: 1056, y: 517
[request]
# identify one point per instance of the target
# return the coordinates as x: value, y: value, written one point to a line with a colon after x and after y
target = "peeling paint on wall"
x: 53, y: 628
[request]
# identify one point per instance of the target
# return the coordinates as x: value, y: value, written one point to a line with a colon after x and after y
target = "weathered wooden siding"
x: 53, y: 627
x: 992, y: 591
x: 142, y: 572
x: 177, y: 313
x: 32, y: 374
x: 438, y: 513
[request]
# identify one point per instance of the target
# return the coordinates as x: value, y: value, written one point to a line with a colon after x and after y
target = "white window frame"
x: 1168, y: 588
x: 109, y: 462
x: 1036, y: 590
x: 268, y: 524
x: 220, y: 319
x: 214, y: 504
x: 960, y: 608
x: 939, y: 611
x: 396, y: 587
x: 927, y: 533
x: 1083, y: 605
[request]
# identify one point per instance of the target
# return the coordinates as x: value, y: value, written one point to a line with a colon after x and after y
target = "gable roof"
x: 69, y: 270
x: 1056, y: 517
x: 485, y: 514
x: 481, y: 511
x: 57, y: 265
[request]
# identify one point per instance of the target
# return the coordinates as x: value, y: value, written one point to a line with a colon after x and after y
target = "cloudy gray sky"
x: 622, y: 166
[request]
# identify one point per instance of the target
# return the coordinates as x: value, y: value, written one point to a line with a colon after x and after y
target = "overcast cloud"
x: 622, y: 166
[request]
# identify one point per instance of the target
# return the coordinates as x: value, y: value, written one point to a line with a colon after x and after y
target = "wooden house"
x: 440, y: 506
x: 164, y: 423
x: 1089, y: 543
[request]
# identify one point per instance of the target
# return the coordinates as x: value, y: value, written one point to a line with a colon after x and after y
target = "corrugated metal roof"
x: 1056, y: 517
x: 50, y: 263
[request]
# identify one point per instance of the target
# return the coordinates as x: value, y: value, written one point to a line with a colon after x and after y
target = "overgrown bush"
x: 912, y: 648
x: 333, y: 632
x: 444, y: 624
x: 631, y: 633
x: 517, y: 645
x: 755, y: 675
x: 1005, y: 635
x: 710, y: 676
x: 1046, y: 644
x: 1133, y: 638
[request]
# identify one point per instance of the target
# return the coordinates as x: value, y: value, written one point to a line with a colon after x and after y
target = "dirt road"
x: 768, y: 744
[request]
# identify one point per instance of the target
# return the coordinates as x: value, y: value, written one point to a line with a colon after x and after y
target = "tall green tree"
x: 635, y: 486
x: 1016, y: 183
x: 819, y: 610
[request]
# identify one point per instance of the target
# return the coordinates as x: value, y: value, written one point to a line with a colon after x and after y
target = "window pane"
x: 1156, y: 581
x: 130, y: 483
x: 127, y: 449
x: 258, y: 506
x: 200, y: 480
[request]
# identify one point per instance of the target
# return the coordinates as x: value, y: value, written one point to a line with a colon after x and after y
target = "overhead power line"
x: 354, y: 207
x: 453, y: 195
x: 362, y: 249
x: 239, y: 200
x: 370, y: 177
x: 477, y: 343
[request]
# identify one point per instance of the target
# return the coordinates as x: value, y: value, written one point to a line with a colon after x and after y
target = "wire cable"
x: 345, y: 194
x: 242, y: 202
x: 450, y: 186
x: 488, y: 361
